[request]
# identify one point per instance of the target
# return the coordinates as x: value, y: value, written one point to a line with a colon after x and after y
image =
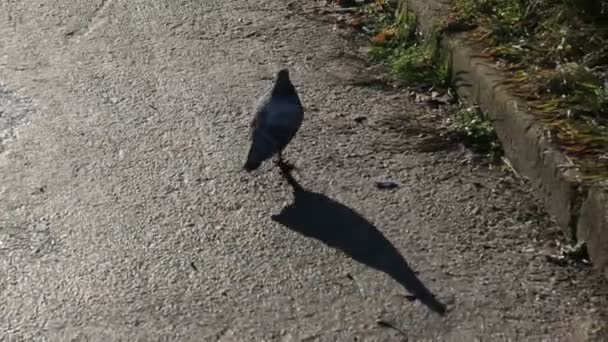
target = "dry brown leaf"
x: 357, y: 21
x: 575, y: 150
x: 385, y: 35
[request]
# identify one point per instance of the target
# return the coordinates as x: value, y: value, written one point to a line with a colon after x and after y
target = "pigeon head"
x: 283, y: 74
x: 283, y: 85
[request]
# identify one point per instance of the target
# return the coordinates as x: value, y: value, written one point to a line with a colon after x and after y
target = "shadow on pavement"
x: 318, y: 216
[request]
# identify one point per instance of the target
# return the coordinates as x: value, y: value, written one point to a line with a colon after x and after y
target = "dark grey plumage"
x: 277, y: 119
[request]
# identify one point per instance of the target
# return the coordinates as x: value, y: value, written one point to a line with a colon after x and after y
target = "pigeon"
x: 278, y: 117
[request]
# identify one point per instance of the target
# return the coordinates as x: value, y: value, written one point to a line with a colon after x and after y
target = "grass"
x: 413, y: 61
x: 413, y: 65
x: 397, y: 45
x: 469, y: 125
x: 555, y: 53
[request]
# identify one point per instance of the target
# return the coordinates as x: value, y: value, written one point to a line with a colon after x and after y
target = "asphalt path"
x: 124, y: 213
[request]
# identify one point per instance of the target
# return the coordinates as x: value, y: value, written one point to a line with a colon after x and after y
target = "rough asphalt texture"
x: 124, y: 214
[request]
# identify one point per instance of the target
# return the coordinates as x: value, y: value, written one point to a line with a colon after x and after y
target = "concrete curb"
x: 580, y: 211
x: 593, y: 227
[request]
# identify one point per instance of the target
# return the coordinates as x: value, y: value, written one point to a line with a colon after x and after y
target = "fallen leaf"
x: 419, y: 98
x: 574, y: 149
x: 357, y: 21
x: 385, y: 35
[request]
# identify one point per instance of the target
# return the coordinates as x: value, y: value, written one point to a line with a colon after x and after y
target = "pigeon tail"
x: 262, y: 148
x: 251, y: 165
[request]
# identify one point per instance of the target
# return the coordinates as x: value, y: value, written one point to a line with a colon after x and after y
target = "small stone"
x: 360, y: 119
x: 386, y: 185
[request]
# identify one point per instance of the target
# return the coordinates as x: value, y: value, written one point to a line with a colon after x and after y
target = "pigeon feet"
x: 285, y: 166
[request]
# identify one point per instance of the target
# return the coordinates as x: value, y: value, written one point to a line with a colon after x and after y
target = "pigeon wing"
x: 284, y: 121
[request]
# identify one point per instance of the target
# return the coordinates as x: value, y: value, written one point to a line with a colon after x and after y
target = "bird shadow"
x: 336, y: 225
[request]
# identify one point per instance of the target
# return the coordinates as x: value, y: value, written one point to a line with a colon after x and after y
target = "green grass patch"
x: 470, y: 126
x: 413, y: 65
x: 409, y: 60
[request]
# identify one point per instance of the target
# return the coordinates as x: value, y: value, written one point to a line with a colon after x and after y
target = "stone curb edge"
x: 581, y: 212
